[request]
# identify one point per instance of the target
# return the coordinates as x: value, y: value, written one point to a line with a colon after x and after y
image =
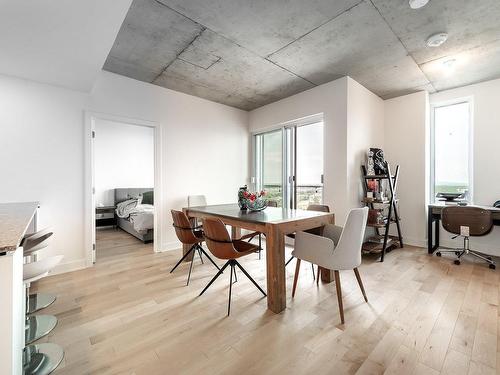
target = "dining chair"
x: 338, y: 249
x: 197, y: 200
x: 317, y: 231
x: 190, y: 236
x: 270, y: 203
x: 223, y: 247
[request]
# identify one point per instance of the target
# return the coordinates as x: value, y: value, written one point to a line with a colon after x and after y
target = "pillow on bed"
x: 148, y: 197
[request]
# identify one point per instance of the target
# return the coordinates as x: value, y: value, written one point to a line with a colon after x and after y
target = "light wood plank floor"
x: 129, y: 315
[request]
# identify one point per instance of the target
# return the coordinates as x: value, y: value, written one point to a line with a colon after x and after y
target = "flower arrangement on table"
x: 253, y: 201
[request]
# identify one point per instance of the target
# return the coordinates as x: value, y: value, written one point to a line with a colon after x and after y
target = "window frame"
x: 433, y: 106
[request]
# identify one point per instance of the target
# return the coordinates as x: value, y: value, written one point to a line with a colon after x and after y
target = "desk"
x: 434, y: 218
x: 275, y: 223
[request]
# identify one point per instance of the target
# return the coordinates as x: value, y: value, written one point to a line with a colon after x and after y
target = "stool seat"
x: 39, y: 269
x: 42, y: 359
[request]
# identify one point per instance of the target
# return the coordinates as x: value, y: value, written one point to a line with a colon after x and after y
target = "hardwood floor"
x: 129, y: 315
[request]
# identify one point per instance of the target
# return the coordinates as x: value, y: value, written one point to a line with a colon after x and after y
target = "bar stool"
x: 32, y: 243
x: 38, y: 326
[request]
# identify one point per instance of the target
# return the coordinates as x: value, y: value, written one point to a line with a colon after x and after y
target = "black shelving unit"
x: 392, y: 217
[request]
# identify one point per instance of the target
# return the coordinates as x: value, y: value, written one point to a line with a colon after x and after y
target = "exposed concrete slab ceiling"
x: 248, y: 53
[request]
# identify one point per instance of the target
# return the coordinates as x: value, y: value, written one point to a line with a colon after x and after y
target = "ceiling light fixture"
x: 436, y: 40
x: 416, y: 4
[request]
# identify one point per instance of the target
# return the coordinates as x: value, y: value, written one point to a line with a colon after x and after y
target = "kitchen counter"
x: 14, y: 221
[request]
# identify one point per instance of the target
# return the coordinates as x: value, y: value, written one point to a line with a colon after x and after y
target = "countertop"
x: 14, y: 221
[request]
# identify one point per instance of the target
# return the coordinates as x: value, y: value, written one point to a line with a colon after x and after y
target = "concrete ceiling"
x: 248, y: 53
x: 63, y: 43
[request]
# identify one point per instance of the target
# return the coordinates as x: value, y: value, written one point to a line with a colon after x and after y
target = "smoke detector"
x: 437, y: 39
x: 416, y: 4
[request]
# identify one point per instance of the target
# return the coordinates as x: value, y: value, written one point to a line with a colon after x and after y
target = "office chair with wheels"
x: 467, y: 222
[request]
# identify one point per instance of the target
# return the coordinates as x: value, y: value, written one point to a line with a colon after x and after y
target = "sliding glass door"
x: 289, y: 163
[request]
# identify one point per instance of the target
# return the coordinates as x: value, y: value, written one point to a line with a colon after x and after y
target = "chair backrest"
x: 272, y: 203
x: 217, y: 239
x: 318, y: 207
x: 479, y: 220
x: 197, y: 200
x: 348, y: 250
x: 183, y: 228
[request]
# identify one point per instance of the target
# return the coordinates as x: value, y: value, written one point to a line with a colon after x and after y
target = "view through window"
x: 452, y: 148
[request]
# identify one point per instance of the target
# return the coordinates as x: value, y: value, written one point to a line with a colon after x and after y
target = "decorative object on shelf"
x: 254, y: 201
x: 376, y: 164
x: 449, y: 197
x: 241, y: 197
x: 384, y: 209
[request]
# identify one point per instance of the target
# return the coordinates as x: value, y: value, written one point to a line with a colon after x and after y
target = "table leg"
x: 275, y: 258
x: 327, y: 275
x: 235, y: 233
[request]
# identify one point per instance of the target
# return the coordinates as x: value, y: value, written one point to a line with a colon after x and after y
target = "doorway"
x: 123, y: 157
x: 288, y: 163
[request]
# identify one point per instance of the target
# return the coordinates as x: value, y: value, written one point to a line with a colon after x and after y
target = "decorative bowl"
x: 257, y: 204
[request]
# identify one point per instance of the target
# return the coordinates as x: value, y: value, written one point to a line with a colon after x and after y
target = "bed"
x: 140, y: 222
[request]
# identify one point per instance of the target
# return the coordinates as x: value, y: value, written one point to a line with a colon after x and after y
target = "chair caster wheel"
x: 438, y: 254
x: 457, y: 262
x: 492, y: 266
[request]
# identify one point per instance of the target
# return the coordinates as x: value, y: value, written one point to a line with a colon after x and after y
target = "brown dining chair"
x: 270, y: 203
x: 189, y: 236
x: 467, y: 222
x: 316, y: 231
x: 220, y: 244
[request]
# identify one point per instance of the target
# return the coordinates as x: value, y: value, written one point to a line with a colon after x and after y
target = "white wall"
x: 205, y: 150
x: 124, y: 157
x: 406, y: 122
x: 353, y: 121
x: 486, y: 168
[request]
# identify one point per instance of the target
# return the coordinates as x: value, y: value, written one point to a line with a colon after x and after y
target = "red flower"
x: 246, y: 194
x: 252, y: 197
x: 262, y: 193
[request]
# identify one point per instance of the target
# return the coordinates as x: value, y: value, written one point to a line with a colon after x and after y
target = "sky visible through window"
x: 451, y: 148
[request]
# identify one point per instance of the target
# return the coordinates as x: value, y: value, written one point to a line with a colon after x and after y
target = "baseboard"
x: 74, y: 265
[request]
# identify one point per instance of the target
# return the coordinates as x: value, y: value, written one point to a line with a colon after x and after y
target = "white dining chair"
x: 338, y: 249
x: 197, y: 200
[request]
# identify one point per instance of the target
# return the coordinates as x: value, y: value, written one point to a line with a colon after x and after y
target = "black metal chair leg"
x: 190, y: 268
x: 250, y: 278
x: 183, y: 257
x: 314, y: 276
x: 215, y: 277
x: 209, y: 258
x: 235, y: 277
x: 289, y: 260
x: 230, y: 289
x: 201, y: 258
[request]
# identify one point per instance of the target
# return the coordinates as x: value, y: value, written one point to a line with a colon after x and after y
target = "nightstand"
x: 105, y: 216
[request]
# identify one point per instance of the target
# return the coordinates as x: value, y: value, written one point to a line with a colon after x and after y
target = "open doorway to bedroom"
x: 123, y: 188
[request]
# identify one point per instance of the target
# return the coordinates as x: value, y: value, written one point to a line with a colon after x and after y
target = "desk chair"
x: 223, y: 247
x: 338, y: 249
x: 479, y: 223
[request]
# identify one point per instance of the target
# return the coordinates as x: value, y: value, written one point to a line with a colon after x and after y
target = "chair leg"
x: 296, y: 277
x: 358, y: 277
x: 249, y: 277
x: 339, y: 295
x: 215, y: 277
x: 183, y: 257
x: 190, y: 268
x: 230, y: 288
x: 235, y: 277
x: 201, y: 258
x: 289, y: 260
x: 260, y: 245
x: 209, y: 258
x: 319, y: 274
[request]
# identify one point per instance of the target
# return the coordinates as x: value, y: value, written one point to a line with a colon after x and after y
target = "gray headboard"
x: 122, y: 194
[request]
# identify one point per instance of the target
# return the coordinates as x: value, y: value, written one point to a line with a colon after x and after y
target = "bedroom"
x: 123, y: 166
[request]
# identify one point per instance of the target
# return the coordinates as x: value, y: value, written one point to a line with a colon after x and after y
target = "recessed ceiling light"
x: 416, y: 4
x: 437, y: 39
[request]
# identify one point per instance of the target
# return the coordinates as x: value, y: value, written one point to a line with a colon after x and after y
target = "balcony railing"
x: 306, y: 194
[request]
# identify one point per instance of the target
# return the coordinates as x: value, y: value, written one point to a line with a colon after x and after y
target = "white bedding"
x: 140, y: 215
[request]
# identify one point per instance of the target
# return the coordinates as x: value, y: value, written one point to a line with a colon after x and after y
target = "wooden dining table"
x: 274, y: 223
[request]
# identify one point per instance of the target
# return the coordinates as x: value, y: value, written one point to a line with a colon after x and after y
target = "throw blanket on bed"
x: 123, y: 209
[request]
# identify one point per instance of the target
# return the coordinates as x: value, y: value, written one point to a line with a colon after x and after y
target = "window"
x: 289, y: 163
x: 451, y: 149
